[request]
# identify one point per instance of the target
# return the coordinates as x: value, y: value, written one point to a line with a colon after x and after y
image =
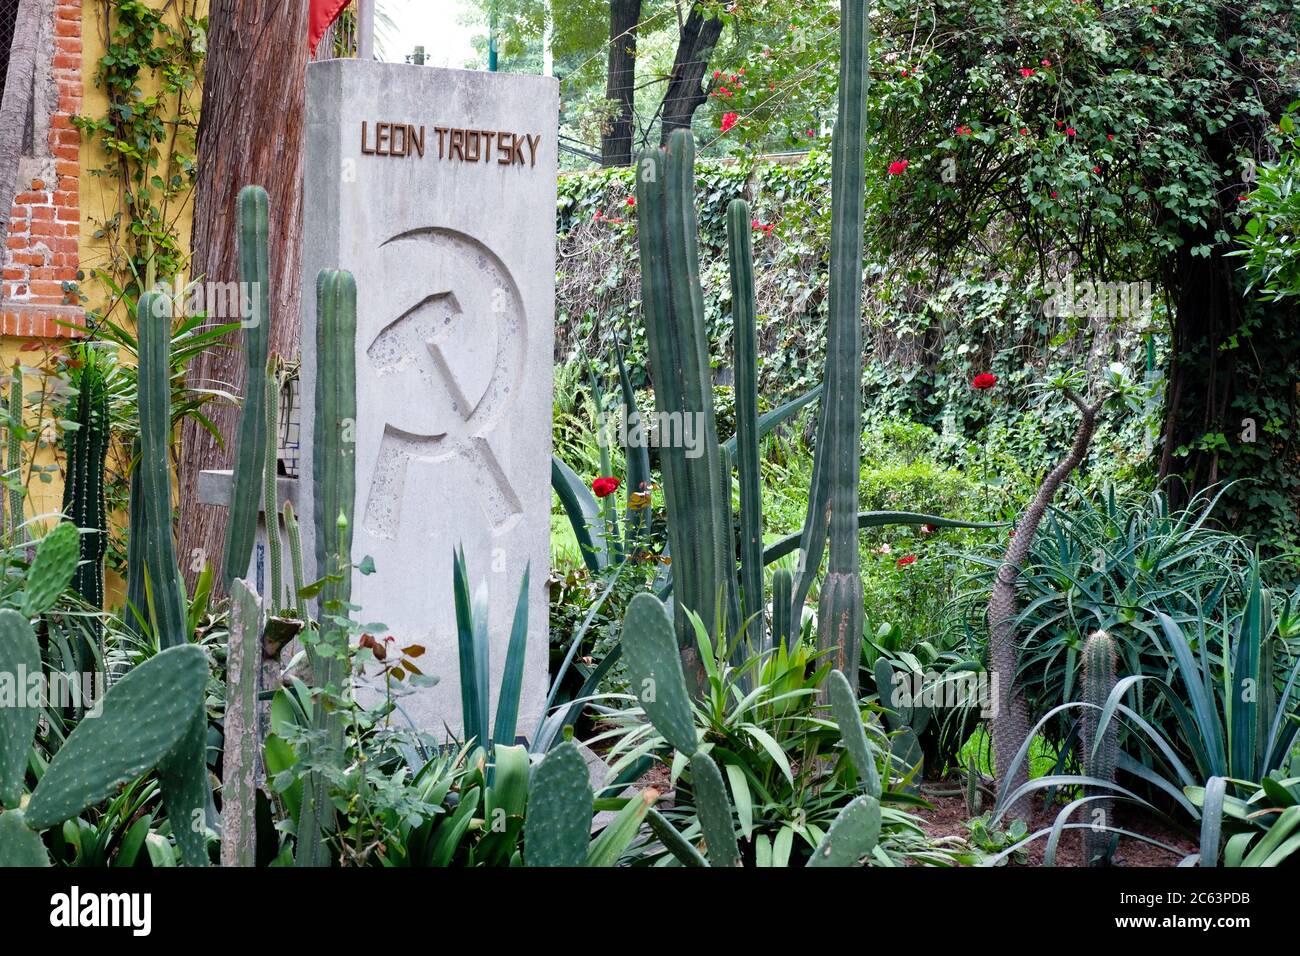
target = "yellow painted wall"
x: 99, y: 198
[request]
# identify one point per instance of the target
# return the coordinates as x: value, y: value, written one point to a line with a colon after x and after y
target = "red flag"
x: 323, y: 13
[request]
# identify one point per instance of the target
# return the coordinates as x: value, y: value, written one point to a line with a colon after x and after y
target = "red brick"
x: 32, y: 199
x: 67, y: 198
x: 42, y: 213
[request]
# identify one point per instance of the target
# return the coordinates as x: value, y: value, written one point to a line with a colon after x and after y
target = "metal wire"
x: 8, y: 16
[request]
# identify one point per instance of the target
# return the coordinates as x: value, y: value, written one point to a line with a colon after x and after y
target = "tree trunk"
x: 1223, y: 383
x: 1010, y: 724
x: 250, y: 132
x: 620, y: 83
x: 15, y: 105
x: 686, y: 89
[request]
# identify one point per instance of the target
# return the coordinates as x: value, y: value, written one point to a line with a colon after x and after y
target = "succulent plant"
x: 251, y: 440
x: 151, y: 718
x: 333, y: 456
x: 655, y: 674
x: 699, y: 533
x: 85, y: 449
x: 833, y: 496
x: 153, y: 548
x: 1100, y: 754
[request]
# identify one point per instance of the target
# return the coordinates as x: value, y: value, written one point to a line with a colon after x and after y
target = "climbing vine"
x: 150, y: 72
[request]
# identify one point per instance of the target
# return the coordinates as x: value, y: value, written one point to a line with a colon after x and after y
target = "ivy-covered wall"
x: 927, y: 333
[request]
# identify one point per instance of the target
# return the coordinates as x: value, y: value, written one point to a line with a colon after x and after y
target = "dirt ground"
x: 948, y: 818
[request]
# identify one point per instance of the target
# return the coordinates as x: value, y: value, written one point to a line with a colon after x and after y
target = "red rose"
x: 905, y: 560
x: 897, y: 166
x: 1026, y: 72
x: 984, y: 380
x: 729, y: 120
x: 602, y: 487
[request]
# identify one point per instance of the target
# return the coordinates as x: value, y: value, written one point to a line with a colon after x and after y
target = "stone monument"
x: 436, y: 189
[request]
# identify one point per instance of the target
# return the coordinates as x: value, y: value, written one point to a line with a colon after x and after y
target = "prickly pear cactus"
x: 20, y: 845
x: 19, y: 653
x: 144, y: 717
x: 51, y: 572
x: 714, y: 809
x: 654, y: 667
x: 844, y: 708
x: 853, y: 834
x: 557, y: 829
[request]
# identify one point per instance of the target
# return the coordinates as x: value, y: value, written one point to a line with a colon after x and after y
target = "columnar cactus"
x: 700, y: 538
x: 1100, y: 753
x: 250, y: 443
x: 164, y: 605
x: 85, y: 449
x: 833, y: 499
x: 270, y: 485
x: 333, y: 455
x: 783, y: 629
x: 14, y: 453
x: 745, y: 359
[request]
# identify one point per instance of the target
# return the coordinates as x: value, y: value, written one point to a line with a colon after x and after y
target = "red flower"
x: 809, y: 133
x: 1046, y: 62
x: 927, y: 529
x: 631, y: 200
x: 905, y: 560
x: 716, y: 74
x: 963, y: 130
x: 602, y: 487
x: 1110, y: 137
x: 1024, y: 131
x: 729, y: 120
x: 1097, y: 170
x: 1026, y: 72
x: 897, y: 166
x: 755, y: 224
x: 984, y: 380
x: 1053, y: 193
x: 1069, y: 131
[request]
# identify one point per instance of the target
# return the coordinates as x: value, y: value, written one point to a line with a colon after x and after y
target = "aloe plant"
x: 474, y: 647
x: 656, y: 677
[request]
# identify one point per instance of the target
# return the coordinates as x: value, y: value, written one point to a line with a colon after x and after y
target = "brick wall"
x: 41, y: 251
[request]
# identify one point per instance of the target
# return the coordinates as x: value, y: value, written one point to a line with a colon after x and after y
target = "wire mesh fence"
x: 8, y: 16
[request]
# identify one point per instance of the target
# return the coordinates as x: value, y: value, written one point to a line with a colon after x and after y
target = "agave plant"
x: 1235, y: 704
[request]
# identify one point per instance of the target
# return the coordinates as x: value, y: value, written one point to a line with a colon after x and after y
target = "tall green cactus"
x: 784, y: 630
x: 333, y: 455
x: 14, y: 455
x: 270, y: 485
x: 164, y: 592
x: 833, y: 500
x: 745, y: 360
x: 250, y: 443
x: 700, y: 539
x: 1100, y: 753
x: 85, y: 449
